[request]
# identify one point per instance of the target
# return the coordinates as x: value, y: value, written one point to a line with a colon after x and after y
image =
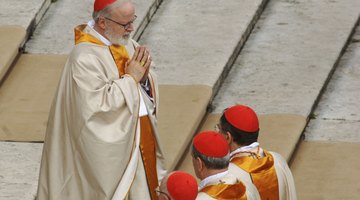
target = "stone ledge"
x: 11, y: 39
x: 327, y: 170
x: 26, y: 96
x: 182, y: 108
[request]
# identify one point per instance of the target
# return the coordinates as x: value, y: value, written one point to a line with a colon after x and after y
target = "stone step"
x: 181, y: 110
x: 26, y: 14
x: 333, y: 133
x: 289, y: 57
x: 196, y: 42
x: 278, y: 132
x: 18, y: 20
x: 337, y: 116
x: 327, y: 170
x: 26, y: 96
x: 11, y: 39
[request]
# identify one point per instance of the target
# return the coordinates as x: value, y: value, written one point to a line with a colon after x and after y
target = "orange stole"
x: 119, y: 53
x: 263, y: 174
x: 120, y: 56
x: 224, y: 191
x: 148, y: 153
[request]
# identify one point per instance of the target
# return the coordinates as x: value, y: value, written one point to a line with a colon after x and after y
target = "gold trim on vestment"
x: 262, y: 172
x: 148, y: 153
x: 119, y: 52
x: 235, y: 191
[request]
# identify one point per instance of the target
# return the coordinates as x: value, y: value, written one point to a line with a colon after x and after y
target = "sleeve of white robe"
x: 286, y: 182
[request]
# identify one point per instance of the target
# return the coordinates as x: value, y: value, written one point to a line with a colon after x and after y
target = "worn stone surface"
x: 337, y: 115
x: 326, y: 163
x: 289, y: 56
x: 22, y: 13
x: 193, y: 40
x: 55, y: 32
x: 19, y: 170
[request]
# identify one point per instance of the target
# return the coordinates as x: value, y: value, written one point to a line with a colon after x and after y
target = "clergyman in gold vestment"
x: 267, y: 170
x: 101, y: 141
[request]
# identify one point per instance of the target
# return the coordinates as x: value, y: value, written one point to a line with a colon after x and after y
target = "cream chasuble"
x: 92, y: 143
x: 267, y: 170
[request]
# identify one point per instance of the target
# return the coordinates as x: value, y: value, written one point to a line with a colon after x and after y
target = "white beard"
x: 115, y: 39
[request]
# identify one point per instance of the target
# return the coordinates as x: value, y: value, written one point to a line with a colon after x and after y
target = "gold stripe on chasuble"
x: 226, y: 191
x: 148, y: 153
x: 262, y: 172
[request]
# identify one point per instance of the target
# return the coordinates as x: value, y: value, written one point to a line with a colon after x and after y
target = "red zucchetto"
x: 101, y: 4
x: 182, y: 186
x: 211, y: 144
x: 243, y: 118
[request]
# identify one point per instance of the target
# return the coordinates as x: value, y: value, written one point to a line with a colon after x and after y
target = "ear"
x: 228, y: 137
x: 101, y: 23
x: 196, y: 162
x: 200, y: 163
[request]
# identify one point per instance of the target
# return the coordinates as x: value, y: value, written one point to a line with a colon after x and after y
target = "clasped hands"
x: 138, y: 66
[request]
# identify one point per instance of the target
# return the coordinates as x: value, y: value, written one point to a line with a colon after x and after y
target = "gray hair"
x: 211, y: 162
x: 106, y: 12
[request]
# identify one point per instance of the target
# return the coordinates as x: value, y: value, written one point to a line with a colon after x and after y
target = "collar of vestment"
x: 250, y: 147
x: 85, y: 33
x: 211, y: 178
x: 218, y: 189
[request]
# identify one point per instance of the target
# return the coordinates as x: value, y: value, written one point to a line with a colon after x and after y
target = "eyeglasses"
x: 159, y: 192
x: 125, y: 26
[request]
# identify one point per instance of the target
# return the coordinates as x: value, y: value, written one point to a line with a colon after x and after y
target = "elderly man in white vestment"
x: 210, y: 157
x: 101, y: 141
x: 268, y: 170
